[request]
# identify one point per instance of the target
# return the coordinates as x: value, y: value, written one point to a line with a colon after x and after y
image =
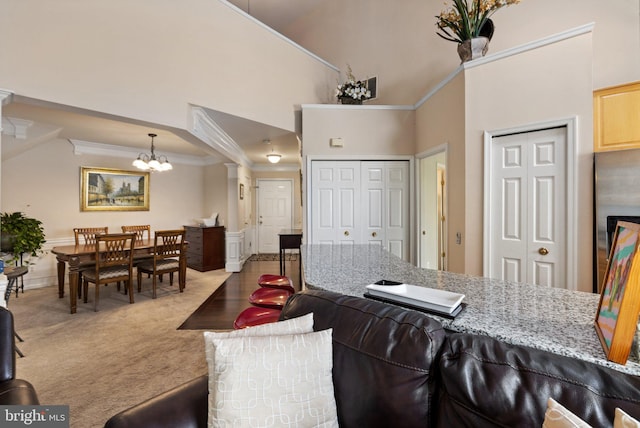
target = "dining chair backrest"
x: 139, y: 230
x: 168, y: 244
x: 88, y: 234
x: 114, y: 249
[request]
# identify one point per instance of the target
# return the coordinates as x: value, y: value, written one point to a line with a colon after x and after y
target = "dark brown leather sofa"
x: 12, y: 391
x: 394, y: 367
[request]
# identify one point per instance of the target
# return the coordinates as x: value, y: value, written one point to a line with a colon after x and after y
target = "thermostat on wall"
x: 336, y: 142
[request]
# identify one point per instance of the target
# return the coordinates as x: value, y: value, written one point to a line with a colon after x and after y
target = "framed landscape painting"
x: 104, y: 189
x: 617, y: 317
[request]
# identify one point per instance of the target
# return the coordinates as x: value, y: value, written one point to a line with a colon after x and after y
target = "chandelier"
x: 146, y: 162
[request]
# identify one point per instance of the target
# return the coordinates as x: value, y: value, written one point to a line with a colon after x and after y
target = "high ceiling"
x: 39, y: 123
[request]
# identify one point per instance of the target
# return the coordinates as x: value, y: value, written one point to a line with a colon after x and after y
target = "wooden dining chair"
x: 168, y: 257
x: 87, y: 236
x: 114, y: 263
x: 142, y: 231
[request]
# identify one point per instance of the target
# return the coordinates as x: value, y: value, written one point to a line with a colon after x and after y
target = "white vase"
x: 473, y: 48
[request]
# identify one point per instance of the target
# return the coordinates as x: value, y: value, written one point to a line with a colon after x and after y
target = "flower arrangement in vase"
x: 467, y: 20
x: 352, y: 91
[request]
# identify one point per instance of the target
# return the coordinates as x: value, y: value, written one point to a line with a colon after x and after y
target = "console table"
x: 552, y: 319
x: 290, y: 239
x: 206, y: 247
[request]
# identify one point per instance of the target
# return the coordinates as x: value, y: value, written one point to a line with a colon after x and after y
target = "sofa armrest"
x: 7, y: 346
x: 185, y: 406
x: 18, y: 392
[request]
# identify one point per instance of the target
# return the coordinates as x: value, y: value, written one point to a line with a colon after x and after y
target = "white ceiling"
x: 44, y: 122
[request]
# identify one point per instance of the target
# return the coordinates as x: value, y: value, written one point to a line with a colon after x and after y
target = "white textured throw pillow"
x: 557, y: 416
x: 272, y: 381
x: 622, y: 420
x: 303, y: 324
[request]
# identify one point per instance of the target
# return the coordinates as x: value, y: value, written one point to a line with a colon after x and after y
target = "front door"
x: 528, y: 207
x: 274, y: 212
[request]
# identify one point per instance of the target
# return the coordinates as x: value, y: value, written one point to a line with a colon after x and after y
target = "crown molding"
x: 279, y: 35
x: 6, y: 97
x: 516, y: 50
x: 90, y: 148
x: 206, y: 129
x: 15, y: 127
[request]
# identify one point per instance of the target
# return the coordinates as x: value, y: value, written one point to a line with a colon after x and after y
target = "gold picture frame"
x: 104, y: 189
x: 617, y: 317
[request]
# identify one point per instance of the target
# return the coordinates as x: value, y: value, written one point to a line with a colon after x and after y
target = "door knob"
x: 424, y: 232
x: 374, y: 234
x: 543, y: 251
x: 346, y: 233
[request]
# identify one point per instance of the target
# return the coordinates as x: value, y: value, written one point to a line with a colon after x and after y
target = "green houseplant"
x: 468, y: 23
x: 20, y: 234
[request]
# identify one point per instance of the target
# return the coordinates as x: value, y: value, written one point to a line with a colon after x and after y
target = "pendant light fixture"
x: 147, y: 162
x: 273, y: 157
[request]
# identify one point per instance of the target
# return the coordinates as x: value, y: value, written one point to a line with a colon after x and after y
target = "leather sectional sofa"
x: 400, y: 368
x: 12, y: 391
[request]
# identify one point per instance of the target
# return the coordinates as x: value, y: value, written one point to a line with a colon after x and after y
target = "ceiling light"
x: 147, y: 162
x: 273, y: 157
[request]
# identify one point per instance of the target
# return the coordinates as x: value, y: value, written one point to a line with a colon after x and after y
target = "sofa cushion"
x: 383, y: 358
x: 488, y: 383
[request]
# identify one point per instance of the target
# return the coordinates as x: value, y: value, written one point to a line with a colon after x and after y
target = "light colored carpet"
x: 100, y: 363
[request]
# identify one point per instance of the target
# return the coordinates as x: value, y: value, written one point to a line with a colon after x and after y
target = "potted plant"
x: 468, y: 23
x: 20, y: 234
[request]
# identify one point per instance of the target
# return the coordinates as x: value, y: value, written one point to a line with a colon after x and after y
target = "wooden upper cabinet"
x: 616, y: 118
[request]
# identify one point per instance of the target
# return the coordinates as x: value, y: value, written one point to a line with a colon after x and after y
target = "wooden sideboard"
x: 206, y: 250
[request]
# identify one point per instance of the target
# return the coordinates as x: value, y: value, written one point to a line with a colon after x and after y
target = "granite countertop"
x: 552, y: 319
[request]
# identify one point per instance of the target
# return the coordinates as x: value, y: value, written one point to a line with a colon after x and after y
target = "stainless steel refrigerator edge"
x: 616, y: 197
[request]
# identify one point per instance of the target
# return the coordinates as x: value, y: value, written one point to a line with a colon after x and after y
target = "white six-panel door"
x: 274, y: 212
x: 528, y: 207
x: 385, y: 187
x: 356, y: 202
x: 335, y: 202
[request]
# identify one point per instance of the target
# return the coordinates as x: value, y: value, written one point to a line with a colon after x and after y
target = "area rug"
x: 268, y: 257
x: 100, y: 363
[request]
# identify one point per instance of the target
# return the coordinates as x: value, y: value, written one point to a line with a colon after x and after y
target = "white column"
x: 234, y: 238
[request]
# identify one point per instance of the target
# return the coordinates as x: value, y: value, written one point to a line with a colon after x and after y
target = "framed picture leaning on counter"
x: 617, y: 316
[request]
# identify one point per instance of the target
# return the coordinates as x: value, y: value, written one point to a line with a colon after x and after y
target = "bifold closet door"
x: 359, y: 202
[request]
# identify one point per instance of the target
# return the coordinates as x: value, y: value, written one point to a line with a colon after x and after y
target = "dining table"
x: 80, y: 256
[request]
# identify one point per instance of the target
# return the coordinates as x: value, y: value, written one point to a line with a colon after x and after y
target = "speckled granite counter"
x: 552, y: 319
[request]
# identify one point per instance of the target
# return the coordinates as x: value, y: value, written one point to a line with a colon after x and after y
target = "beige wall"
x: 523, y: 90
x: 215, y: 193
x: 395, y: 39
x: 148, y: 60
x: 364, y: 130
x: 45, y: 183
x: 441, y: 121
